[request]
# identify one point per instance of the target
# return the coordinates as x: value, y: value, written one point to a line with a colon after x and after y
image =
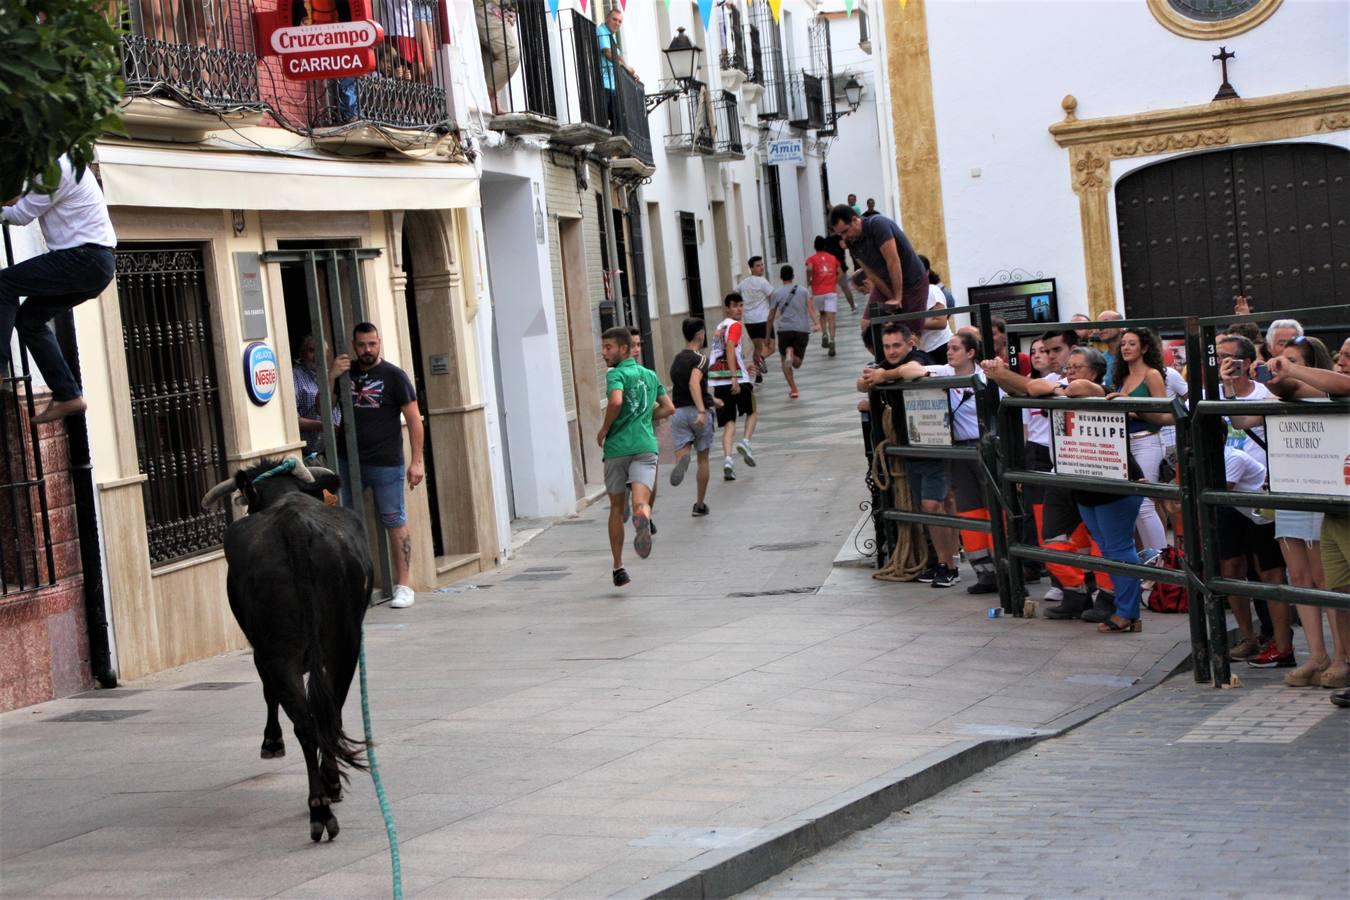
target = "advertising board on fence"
x: 928, y: 417
x: 1094, y: 444
x: 1309, y: 454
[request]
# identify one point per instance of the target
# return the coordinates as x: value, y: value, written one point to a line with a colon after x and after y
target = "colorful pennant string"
x: 705, y: 8
x: 775, y: 6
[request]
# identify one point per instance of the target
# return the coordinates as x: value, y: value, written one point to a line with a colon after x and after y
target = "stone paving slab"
x: 1131, y: 804
x: 559, y: 737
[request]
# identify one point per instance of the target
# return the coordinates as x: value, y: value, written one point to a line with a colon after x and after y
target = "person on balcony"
x: 77, y: 266
x: 499, y: 44
x: 607, y: 33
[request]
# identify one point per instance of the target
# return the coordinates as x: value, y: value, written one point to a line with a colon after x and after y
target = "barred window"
x: 25, y: 527
x: 175, y: 395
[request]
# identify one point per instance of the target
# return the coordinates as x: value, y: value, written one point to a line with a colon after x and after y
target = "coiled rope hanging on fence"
x: 910, y: 555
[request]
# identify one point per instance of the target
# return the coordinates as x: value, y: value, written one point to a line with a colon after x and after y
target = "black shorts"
x: 758, y: 331
x: 796, y: 341
x: 964, y: 477
x: 1038, y: 460
x: 742, y: 403
x: 1240, y: 537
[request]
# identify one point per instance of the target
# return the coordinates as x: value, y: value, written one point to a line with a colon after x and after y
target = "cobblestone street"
x: 1183, y: 791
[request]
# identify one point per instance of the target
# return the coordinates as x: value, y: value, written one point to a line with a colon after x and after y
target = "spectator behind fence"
x: 963, y: 359
x: 1139, y: 373
x: 305, y: 374
x: 1243, y: 543
x: 1290, y: 380
x: 1108, y: 342
x: 885, y: 253
x: 936, y: 333
x: 1300, y: 531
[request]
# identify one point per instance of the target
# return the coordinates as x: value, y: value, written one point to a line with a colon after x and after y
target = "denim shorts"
x: 927, y: 478
x: 424, y: 10
x: 387, y: 484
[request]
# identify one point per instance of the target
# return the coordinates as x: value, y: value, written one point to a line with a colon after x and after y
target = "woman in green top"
x: 1139, y: 373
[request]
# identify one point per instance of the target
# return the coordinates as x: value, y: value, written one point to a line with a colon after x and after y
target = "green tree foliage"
x: 59, y: 86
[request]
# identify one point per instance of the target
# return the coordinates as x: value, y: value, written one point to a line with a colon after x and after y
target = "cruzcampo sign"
x: 320, y: 38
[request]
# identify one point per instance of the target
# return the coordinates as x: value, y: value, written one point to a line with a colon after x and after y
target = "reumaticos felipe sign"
x: 323, y: 44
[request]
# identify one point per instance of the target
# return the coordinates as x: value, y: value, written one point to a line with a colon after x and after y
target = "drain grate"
x: 97, y: 715
x: 789, y: 545
x: 539, y: 576
x: 213, y: 685
x: 775, y: 592
x: 105, y: 694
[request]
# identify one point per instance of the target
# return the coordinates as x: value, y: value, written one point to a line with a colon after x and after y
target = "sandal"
x: 1112, y: 626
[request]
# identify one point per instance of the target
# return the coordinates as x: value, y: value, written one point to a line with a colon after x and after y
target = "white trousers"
x: 1148, y: 453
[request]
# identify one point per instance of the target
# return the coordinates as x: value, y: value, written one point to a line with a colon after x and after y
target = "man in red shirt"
x: 822, y: 272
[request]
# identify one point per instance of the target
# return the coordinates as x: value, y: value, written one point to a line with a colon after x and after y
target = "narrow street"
x: 1184, y: 791
x: 541, y: 733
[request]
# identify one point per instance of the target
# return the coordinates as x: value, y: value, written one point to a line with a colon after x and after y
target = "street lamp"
x: 682, y: 56
x: 853, y: 91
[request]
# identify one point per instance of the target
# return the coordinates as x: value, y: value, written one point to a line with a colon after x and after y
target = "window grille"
x: 25, y: 530
x: 175, y: 396
x: 769, y: 62
x: 779, y: 233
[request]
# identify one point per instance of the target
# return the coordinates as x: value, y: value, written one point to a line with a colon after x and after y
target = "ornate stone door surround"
x: 1093, y: 144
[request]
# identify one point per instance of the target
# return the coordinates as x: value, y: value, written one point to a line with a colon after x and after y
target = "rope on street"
x: 379, y: 784
x: 910, y: 556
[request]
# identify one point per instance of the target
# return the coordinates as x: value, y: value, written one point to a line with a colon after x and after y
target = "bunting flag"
x: 848, y: 7
x: 705, y: 9
x: 553, y: 8
x: 902, y: 4
x: 583, y: 5
x: 775, y: 6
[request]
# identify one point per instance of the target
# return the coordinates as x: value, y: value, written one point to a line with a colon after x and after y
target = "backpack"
x: 1168, y: 598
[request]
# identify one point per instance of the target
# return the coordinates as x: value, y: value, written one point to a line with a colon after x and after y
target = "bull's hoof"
x: 273, y: 749
x: 321, y: 819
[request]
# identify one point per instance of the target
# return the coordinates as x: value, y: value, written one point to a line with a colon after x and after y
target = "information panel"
x: 1094, y: 444
x: 1309, y: 454
x: 928, y: 417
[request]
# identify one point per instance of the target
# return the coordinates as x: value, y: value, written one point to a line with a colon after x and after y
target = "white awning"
x: 210, y: 179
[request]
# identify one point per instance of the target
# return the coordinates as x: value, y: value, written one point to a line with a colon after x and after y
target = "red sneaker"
x: 1272, y: 658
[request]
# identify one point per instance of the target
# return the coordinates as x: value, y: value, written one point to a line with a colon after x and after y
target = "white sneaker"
x: 403, y: 597
x: 1054, y: 595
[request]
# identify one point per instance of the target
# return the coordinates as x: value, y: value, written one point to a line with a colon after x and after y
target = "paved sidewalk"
x: 1182, y: 792
x: 542, y: 733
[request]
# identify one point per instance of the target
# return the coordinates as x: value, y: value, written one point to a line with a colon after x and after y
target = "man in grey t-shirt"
x: 887, y: 256
x: 794, y: 312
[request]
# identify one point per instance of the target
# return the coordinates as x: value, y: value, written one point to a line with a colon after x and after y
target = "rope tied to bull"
x: 910, y: 555
x: 285, y: 467
x: 395, y: 866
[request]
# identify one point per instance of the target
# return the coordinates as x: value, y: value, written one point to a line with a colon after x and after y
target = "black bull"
x: 300, y: 577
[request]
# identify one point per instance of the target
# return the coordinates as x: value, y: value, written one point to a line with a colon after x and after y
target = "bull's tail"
x: 333, y: 742
x: 328, y: 733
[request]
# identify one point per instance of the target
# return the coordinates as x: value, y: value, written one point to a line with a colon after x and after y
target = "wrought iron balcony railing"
x: 806, y: 102
x: 409, y: 88
x: 582, y: 101
x: 628, y: 115
x: 198, y: 53
x: 733, y: 56
x: 689, y: 120
x: 513, y: 38
x: 727, y: 127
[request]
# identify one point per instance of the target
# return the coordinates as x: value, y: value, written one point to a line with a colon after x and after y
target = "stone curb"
x: 721, y: 873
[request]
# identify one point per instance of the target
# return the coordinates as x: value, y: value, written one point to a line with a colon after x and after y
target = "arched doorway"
x: 1268, y: 221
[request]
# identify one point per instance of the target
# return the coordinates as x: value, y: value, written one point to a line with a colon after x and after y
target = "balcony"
x: 806, y: 102
x: 689, y: 123
x: 513, y: 38
x: 188, y: 72
x: 727, y: 127
x: 582, y: 102
x: 403, y: 104
x: 631, y: 138
x: 734, y: 59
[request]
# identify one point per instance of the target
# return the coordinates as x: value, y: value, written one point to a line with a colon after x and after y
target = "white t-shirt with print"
x: 1246, y: 474
x: 1238, y: 438
x: 1037, y: 421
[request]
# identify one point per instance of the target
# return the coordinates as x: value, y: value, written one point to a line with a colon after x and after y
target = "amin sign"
x: 320, y: 38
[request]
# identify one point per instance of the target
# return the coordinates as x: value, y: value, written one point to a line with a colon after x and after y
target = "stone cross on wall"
x: 1226, y: 91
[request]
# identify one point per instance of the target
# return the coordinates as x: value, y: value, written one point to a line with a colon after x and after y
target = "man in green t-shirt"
x: 636, y: 399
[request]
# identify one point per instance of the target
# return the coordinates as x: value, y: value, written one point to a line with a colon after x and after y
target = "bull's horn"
x: 302, y: 472
x: 224, y: 489
x: 320, y: 470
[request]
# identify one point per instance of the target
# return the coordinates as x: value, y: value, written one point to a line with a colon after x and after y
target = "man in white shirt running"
x: 755, y: 290
x: 79, y: 264
x: 730, y: 379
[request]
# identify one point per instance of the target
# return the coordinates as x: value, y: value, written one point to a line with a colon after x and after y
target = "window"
x: 25, y: 526
x: 175, y: 396
x: 775, y: 198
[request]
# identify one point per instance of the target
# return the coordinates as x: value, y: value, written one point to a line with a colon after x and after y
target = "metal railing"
x: 198, y: 53
x: 513, y: 37
x: 175, y: 395
x: 806, y: 102
x: 583, y: 105
x: 727, y: 127
x: 733, y: 56
x: 26, y: 561
x: 769, y: 63
x: 628, y: 116
x: 409, y: 88
x: 981, y: 454
x: 690, y: 120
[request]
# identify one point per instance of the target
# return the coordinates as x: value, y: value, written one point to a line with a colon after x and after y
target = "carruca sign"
x: 320, y: 38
